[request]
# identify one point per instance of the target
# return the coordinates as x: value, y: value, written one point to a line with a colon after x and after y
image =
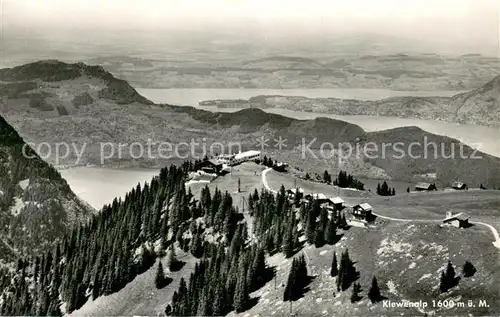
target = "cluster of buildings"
x: 223, y: 162
x: 421, y: 187
x: 361, y: 213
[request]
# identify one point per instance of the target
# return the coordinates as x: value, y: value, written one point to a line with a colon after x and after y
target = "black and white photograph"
x: 249, y: 158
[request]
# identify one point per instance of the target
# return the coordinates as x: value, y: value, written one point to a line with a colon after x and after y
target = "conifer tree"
x: 334, y: 269
x: 241, y: 296
x: 374, y: 291
x: 443, y: 285
x: 168, y: 310
x: 356, y: 290
x: 160, y: 276
x: 331, y: 231
x: 450, y: 272
x: 289, y: 287
x: 288, y: 239
x: 447, y: 279
x: 172, y: 260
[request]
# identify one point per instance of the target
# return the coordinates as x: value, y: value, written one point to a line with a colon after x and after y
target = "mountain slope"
x: 98, y: 120
x: 37, y: 206
x: 54, y: 71
x: 480, y: 105
x: 449, y: 159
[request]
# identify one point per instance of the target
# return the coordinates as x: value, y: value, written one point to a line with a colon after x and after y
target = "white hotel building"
x: 241, y: 157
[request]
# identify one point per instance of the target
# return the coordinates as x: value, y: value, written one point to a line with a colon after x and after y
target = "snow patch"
x: 319, y: 300
x: 412, y: 265
x: 323, y: 252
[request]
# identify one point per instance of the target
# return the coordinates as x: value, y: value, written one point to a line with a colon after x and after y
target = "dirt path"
x: 496, y: 243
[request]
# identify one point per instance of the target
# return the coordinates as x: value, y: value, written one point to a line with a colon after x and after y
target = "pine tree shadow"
x: 266, y: 276
x: 455, y: 282
x: 345, y: 227
x: 167, y: 281
x: 358, y: 298
x: 305, y: 288
x: 337, y: 238
x: 252, y: 302
x: 239, y: 217
x: 467, y: 225
x: 177, y: 266
x: 298, y: 249
x: 379, y: 299
x: 320, y: 244
x: 354, y: 277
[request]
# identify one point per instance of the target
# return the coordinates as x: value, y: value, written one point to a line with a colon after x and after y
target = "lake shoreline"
x: 484, y: 138
x: 192, y: 96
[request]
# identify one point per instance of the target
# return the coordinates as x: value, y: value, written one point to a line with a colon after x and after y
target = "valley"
x: 485, y: 138
x: 249, y: 158
x: 147, y: 212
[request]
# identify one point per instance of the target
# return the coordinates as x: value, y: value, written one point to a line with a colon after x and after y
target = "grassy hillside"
x: 406, y: 258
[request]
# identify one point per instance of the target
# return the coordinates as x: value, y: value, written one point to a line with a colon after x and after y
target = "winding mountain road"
x: 496, y: 242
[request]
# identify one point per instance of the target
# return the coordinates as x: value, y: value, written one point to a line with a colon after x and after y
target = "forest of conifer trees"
x: 102, y: 256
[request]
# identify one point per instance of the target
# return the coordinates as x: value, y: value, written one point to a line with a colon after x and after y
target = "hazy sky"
x: 471, y: 22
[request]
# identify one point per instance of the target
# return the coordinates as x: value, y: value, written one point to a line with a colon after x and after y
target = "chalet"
x: 335, y: 203
x: 280, y: 167
x: 362, y: 212
x: 292, y: 193
x: 459, y: 186
x: 319, y: 197
x: 459, y: 220
x: 210, y: 166
x: 420, y: 187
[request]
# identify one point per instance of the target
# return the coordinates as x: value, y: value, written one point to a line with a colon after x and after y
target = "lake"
x: 486, y: 139
x: 99, y: 186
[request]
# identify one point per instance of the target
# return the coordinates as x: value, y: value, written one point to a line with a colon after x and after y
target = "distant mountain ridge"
x: 479, y: 106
